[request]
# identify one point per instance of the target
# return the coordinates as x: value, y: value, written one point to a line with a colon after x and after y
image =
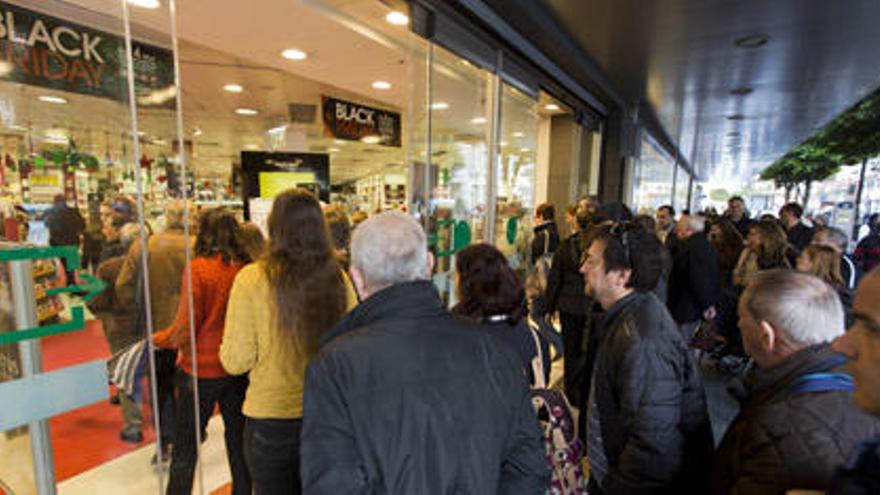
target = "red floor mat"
x: 87, y: 437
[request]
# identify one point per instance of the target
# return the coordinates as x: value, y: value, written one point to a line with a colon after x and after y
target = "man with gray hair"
x: 798, y: 420
x: 695, y: 281
x: 405, y: 398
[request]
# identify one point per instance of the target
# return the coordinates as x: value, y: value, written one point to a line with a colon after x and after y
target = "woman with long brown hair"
x: 766, y: 249
x: 279, y: 308
x: 729, y: 244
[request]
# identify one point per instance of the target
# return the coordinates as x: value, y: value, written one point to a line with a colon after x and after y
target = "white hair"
x: 697, y: 223
x: 805, y: 309
x: 128, y: 233
x: 174, y: 211
x: 389, y: 249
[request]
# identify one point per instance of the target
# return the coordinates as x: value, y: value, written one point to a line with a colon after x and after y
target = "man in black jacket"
x: 546, y: 234
x: 861, y: 346
x: 737, y: 213
x: 647, y: 426
x: 798, y: 420
x: 404, y: 397
x: 799, y: 235
x: 694, y: 284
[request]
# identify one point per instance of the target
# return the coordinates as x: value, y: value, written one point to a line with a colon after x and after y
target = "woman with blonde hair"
x: 824, y: 262
x: 766, y: 248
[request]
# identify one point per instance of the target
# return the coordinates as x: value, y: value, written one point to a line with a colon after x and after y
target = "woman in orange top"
x: 219, y: 255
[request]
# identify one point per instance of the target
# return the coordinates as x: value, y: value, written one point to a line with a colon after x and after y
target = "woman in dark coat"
x: 490, y: 293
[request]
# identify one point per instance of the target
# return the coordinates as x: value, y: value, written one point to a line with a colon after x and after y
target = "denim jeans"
x: 228, y: 392
x: 272, y: 451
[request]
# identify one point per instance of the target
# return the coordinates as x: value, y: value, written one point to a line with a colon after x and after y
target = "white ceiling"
x: 226, y: 41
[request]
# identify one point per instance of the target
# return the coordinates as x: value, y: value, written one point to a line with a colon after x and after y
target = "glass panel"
x: 460, y: 118
x: 652, y: 181
x: 682, y: 182
x: 516, y: 173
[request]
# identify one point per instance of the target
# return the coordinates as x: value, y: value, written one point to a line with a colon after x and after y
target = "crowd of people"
x: 337, y: 368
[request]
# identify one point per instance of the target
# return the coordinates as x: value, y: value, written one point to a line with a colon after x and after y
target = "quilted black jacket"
x: 652, y: 407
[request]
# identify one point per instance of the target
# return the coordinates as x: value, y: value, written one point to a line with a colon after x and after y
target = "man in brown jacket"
x: 166, y: 259
x: 798, y: 420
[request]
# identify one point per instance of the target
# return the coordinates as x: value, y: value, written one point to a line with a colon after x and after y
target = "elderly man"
x: 861, y: 346
x: 647, y: 426
x: 736, y: 211
x: 166, y: 259
x: 798, y: 420
x: 695, y: 282
x: 404, y: 398
x: 837, y: 240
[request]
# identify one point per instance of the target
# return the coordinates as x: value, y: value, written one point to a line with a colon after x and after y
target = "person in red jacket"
x: 219, y: 255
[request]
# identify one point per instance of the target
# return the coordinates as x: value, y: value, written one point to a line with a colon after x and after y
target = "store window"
x: 682, y: 187
x: 653, y: 178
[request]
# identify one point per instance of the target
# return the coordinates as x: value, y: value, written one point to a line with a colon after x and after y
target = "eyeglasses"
x: 622, y: 230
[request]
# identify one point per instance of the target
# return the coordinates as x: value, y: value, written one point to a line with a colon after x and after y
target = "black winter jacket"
x: 546, y: 240
x: 861, y: 475
x: 406, y: 398
x: 565, y: 284
x: 652, y: 407
x: 695, y: 283
x: 783, y: 440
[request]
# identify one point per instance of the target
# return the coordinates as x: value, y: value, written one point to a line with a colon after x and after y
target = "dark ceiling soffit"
x: 513, y: 38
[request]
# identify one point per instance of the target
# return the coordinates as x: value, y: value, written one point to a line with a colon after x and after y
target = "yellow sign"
x: 273, y: 183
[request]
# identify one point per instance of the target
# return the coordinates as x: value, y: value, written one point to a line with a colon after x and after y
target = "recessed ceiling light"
x: 197, y: 131
x: 397, y: 18
x: 371, y: 139
x: 52, y: 99
x: 440, y: 105
x: 478, y: 120
x: 735, y: 116
x: 551, y: 107
x: 251, y: 147
x: 381, y: 85
x: 525, y: 150
x: 294, y: 54
x: 246, y: 111
x: 145, y: 4
x: 518, y: 134
x: 333, y: 150
x: 751, y: 41
x: 339, y: 141
x: 16, y: 127
x: 503, y: 143
x: 741, y: 91
x: 233, y: 88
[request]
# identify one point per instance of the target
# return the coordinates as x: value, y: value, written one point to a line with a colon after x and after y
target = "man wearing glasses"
x: 647, y: 425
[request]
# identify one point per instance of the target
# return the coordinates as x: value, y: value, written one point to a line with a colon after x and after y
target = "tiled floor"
x: 132, y: 473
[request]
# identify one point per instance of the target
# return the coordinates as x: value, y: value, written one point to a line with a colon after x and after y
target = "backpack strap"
x: 823, y: 382
x: 538, y: 362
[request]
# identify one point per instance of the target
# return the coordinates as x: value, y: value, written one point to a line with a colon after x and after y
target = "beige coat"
x: 166, y: 254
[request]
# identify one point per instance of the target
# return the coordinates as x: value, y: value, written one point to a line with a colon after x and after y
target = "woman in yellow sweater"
x: 278, y: 310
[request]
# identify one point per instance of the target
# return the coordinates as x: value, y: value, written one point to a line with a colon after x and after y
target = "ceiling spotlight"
x: 197, y: 132
x: 145, y: 4
x: 524, y: 150
x: 735, y: 116
x: 478, y: 120
x: 397, y: 18
x: 381, y: 85
x: 52, y: 99
x: 518, y: 134
x: 246, y: 111
x: 751, y: 41
x: 333, y: 150
x: 371, y: 139
x: 294, y: 54
x: 551, y: 107
x: 339, y: 141
x: 741, y: 91
x: 440, y: 105
x: 233, y: 88
x: 251, y: 147
x: 503, y: 143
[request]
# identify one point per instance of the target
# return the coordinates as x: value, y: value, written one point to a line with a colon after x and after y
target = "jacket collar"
x: 618, y: 307
x: 767, y: 382
x: 404, y: 301
x: 545, y: 225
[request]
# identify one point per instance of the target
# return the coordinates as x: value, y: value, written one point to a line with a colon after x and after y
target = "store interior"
x: 251, y: 80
